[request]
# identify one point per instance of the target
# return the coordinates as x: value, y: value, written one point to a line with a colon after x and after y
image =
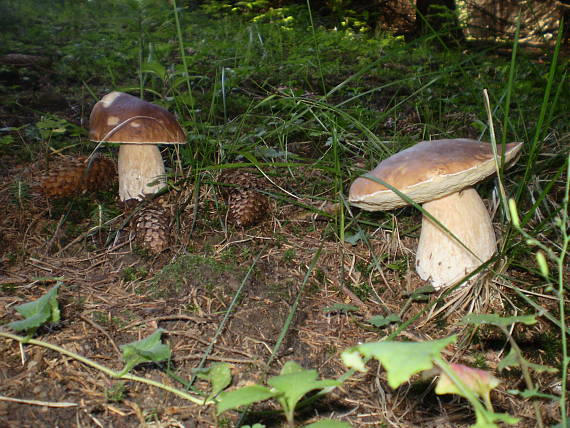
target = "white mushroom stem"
x: 440, y: 258
x: 139, y: 166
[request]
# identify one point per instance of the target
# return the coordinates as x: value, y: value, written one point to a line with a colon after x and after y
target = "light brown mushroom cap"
x: 426, y: 171
x: 122, y: 118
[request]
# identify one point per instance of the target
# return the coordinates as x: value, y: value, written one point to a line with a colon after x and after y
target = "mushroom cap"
x: 426, y: 171
x: 122, y: 118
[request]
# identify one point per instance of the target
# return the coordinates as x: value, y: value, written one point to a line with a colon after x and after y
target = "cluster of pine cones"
x: 74, y: 175
x: 70, y: 176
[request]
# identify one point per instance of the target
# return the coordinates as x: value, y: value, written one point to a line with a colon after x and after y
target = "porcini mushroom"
x: 139, y: 126
x: 439, y: 174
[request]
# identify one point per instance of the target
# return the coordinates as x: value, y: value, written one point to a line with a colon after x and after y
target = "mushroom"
x: 139, y: 126
x: 439, y: 174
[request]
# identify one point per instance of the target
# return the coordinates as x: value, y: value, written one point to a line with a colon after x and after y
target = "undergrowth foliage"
x: 294, y: 382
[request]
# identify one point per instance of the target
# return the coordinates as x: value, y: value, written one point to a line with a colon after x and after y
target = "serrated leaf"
x: 228, y: 400
x: 147, y: 350
x: 380, y: 321
x: 478, y: 319
x: 45, y: 309
x: 295, y: 383
x: 418, y: 357
x: 328, y: 423
x: 219, y: 376
x: 341, y: 307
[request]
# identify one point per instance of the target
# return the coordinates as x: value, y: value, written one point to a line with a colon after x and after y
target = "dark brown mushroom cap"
x: 426, y: 171
x: 122, y: 118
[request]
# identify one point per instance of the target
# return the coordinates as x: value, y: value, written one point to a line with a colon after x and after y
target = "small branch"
x: 37, y: 402
x: 109, y: 372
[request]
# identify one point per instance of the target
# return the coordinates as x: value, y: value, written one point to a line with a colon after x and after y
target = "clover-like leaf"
x: 45, y: 309
x: 219, y: 376
x: 242, y: 397
x: 147, y: 350
x: 493, y: 319
x: 480, y: 382
x: 400, y: 359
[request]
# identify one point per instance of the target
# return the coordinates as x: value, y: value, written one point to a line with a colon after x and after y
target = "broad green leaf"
x: 293, y: 385
x: 219, y: 376
x: 351, y: 358
x: 380, y: 321
x: 242, y: 397
x: 253, y: 426
x: 400, y: 359
x: 328, y: 423
x: 478, y: 319
x: 149, y: 349
x: 480, y: 382
x: 291, y: 367
x: 45, y: 309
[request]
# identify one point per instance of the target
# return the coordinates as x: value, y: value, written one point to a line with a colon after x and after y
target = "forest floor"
x: 113, y: 293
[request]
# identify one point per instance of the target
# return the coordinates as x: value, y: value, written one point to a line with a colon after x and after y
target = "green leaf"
x: 380, y: 321
x: 351, y: 358
x: 418, y: 357
x: 242, y: 397
x: 511, y: 360
x: 154, y: 67
x: 487, y: 419
x: 294, y: 382
x: 478, y: 319
x: 478, y: 381
x: 328, y: 423
x: 219, y: 376
x: 45, y: 309
x: 149, y: 349
x: 354, y: 238
x: 341, y: 307
x: 253, y: 426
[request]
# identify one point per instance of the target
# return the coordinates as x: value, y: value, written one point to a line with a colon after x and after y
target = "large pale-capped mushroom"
x: 139, y: 126
x: 439, y: 174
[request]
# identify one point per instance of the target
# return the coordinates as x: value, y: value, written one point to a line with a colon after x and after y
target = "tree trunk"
x: 438, y: 15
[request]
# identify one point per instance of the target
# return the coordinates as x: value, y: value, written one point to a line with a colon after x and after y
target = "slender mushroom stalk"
x: 139, y: 126
x: 439, y: 174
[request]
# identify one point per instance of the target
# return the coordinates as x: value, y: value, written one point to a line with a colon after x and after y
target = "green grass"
x: 247, y: 88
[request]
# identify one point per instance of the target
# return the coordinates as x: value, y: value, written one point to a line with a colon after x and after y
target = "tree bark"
x: 438, y: 15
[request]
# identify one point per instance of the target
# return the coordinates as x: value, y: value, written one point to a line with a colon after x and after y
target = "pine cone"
x: 247, y: 206
x: 151, y: 227
x: 73, y: 175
